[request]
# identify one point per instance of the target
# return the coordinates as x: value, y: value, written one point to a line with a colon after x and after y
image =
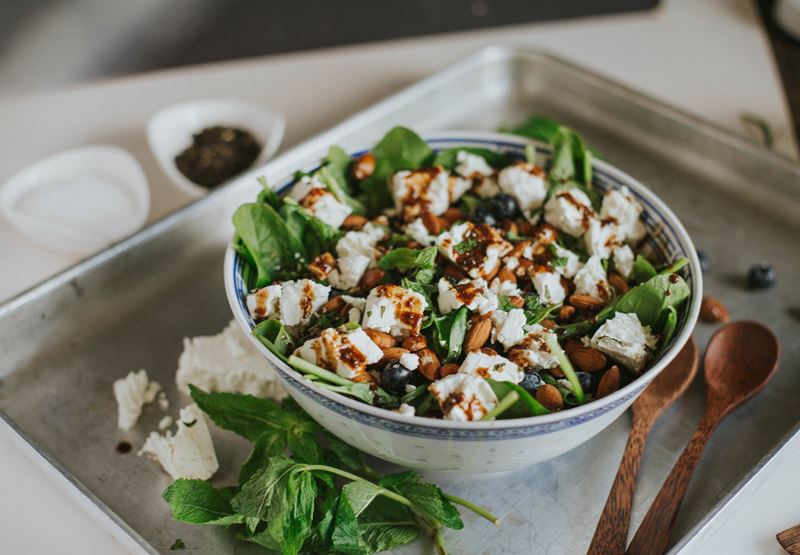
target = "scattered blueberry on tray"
x: 761, y: 276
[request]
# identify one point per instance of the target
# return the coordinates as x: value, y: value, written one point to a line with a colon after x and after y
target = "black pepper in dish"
x: 217, y: 154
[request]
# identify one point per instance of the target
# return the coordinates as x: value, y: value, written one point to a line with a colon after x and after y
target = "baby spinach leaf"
x: 274, y: 337
x: 667, y: 326
x: 334, y: 185
x: 339, y: 162
x: 407, y: 259
x: 450, y: 330
x: 538, y: 128
x: 527, y: 404
x: 642, y: 269
x: 270, y: 242
x: 648, y: 299
x: 198, y: 502
x: 448, y: 158
x: 314, y: 235
x: 267, y: 194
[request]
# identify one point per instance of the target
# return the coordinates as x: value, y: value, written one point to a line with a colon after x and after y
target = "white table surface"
x: 710, y: 58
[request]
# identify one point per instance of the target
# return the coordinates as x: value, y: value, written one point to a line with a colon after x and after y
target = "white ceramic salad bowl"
x: 501, y: 445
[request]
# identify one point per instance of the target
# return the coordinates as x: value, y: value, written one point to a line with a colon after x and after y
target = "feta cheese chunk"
x: 508, y: 328
x: 602, y: 237
x: 265, y: 303
x: 410, y: 360
x: 463, y: 397
x: 569, y: 262
x: 623, y: 261
x: 406, y: 410
x: 533, y: 352
x: 591, y: 280
x: 189, y: 453
x: 570, y: 211
x: 472, y: 165
x: 355, y: 253
x: 394, y: 310
x: 425, y: 190
x: 318, y: 201
x: 417, y: 231
x: 346, y: 353
x: 300, y: 300
x: 506, y: 288
x: 475, y: 248
x: 357, y: 306
x: 494, y: 367
x: 621, y: 206
x: 474, y: 294
x: 133, y: 392
x: 624, y: 339
x: 548, y: 287
x: 526, y: 183
x: 227, y: 362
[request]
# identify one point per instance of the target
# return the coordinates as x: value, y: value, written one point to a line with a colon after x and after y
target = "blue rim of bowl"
x: 664, y: 240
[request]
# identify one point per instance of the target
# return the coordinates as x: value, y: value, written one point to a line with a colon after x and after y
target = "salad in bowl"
x: 466, y: 280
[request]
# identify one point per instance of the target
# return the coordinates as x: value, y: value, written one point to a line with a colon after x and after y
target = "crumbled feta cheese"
x: 417, y: 231
x: 569, y: 211
x: 355, y: 253
x: 475, y: 294
x: 570, y: 262
x: 494, y: 367
x: 132, y: 393
x: 463, y: 397
x: 346, y: 353
x: 163, y: 402
x: 487, y: 188
x: 300, y: 300
x: 357, y: 306
x: 591, y: 280
x: 410, y: 360
x: 624, y: 339
x: 227, y: 362
x: 526, y: 183
x: 533, y: 352
x: 476, y: 248
x: 602, y: 237
x: 406, y: 410
x: 506, y: 288
x: 548, y: 287
x: 189, y: 453
x: 265, y: 302
x: 623, y: 261
x: 472, y: 165
x: 417, y: 191
x: 394, y: 310
x: 165, y: 423
x: 621, y: 205
x: 508, y: 328
x: 315, y: 198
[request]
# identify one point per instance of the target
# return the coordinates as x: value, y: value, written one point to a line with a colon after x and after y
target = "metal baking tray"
x: 64, y: 342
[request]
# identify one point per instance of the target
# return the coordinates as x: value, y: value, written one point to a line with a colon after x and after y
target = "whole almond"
x: 566, y: 312
x: 618, y: 283
x: 432, y: 223
x: 489, y: 276
x: 506, y: 275
x: 713, y: 311
x: 371, y: 278
x: 477, y: 335
x: 415, y: 342
x: 516, y: 301
x: 585, y: 302
x: 518, y: 249
x: 550, y: 397
x: 382, y: 339
x: 546, y: 233
x: 557, y: 372
x: 333, y: 305
x: 322, y: 265
x: 364, y: 166
x: 452, y: 215
x: 390, y: 354
x: 609, y: 383
x: 548, y: 324
x: 354, y: 221
x: 526, y: 229
x: 448, y: 369
x: 489, y: 351
x: 428, y: 364
x: 588, y: 359
x: 572, y: 345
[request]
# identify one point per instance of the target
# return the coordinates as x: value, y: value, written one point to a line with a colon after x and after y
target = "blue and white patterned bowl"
x: 480, y: 447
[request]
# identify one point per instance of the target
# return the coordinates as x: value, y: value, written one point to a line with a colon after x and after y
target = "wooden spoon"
x: 740, y: 359
x: 790, y: 540
x: 611, y: 533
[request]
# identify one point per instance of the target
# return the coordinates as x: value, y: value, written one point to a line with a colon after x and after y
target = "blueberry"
x: 394, y: 378
x: 503, y: 206
x: 531, y: 382
x: 705, y: 261
x: 761, y: 276
x: 483, y: 216
x: 587, y: 381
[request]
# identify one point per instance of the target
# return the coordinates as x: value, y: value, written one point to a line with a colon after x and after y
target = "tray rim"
x: 311, y: 147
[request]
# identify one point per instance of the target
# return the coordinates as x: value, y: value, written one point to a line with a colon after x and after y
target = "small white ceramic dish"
x: 78, y: 201
x: 501, y: 445
x: 170, y: 131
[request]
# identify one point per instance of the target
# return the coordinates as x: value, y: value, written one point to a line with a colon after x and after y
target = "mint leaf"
x: 428, y: 499
x: 291, y: 512
x: 448, y: 158
x: 198, y: 502
x: 360, y: 494
x: 257, y: 494
x: 407, y: 259
x: 466, y: 246
x: 267, y: 445
x: 178, y: 545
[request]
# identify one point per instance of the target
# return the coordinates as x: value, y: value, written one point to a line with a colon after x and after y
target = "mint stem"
x: 506, y: 403
x: 565, y: 365
x: 474, y: 508
x: 353, y: 477
x: 438, y: 539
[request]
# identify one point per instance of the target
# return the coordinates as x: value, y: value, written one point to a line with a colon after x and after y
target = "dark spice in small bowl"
x: 217, y: 154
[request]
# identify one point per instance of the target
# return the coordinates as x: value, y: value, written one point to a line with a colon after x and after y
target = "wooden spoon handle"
x: 611, y: 533
x: 653, y: 534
